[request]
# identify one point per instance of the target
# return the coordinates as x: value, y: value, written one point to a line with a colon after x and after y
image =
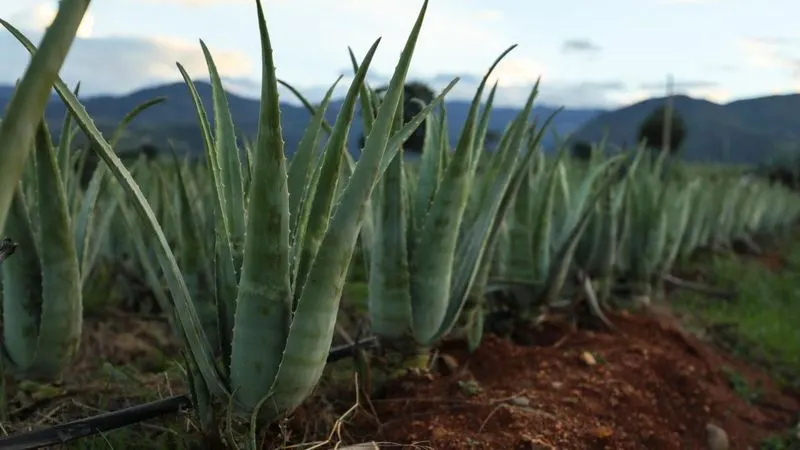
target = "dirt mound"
x: 648, y: 386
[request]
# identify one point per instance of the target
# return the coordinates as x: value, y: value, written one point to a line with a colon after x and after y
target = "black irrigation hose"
x: 61, y: 434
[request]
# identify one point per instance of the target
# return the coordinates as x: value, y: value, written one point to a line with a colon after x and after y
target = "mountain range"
x: 747, y: 131
x: 741, y: 132
x: 175, y: 117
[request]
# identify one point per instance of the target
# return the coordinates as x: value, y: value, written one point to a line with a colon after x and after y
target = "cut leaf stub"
x: 7, y: 248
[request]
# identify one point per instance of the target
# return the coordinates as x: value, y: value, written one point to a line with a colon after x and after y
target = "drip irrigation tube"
x: 61, y: 434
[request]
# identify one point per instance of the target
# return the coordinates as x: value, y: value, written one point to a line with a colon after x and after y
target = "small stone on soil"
x: 717, y: 438
x: 602, y: 432
x: 364, y: 446
x: 588, y: 359
x: 520, y: 401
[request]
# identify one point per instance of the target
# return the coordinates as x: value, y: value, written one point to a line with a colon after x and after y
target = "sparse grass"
x: 113, y: 388
x: 740, y: 385
x: 761, y: 323
x: 789, y: 441
x: 136, y: 437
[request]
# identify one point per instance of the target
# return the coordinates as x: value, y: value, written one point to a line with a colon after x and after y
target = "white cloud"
x: 461, y: 38
x: 488, y: 15
x: 705, y: 89
x: 603, y: 94
x: 231, y: 64
x: 768, y: 53
x: 465, y: 41
x: 116, y: 65
x: 208, y: 2
x: 787, y: 88
x: 39, y: 16
x: 687, y: 2
x: 513, y: 71
x: 455, y: 40
x: 629, y: 97
x: 713, y: 94
x: 573, y: 94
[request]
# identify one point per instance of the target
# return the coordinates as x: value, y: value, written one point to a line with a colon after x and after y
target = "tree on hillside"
x: 147, y: 149
x: 582, y: 150
x: 411, y: 90
x: 651, y: 130
x: 492, y: 139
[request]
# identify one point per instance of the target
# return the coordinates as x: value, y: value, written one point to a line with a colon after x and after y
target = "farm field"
x: 482, y: 293
x: 656, y: 383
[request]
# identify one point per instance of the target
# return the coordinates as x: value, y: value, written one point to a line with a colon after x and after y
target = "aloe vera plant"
x: 42, y: 308
x: 279, y: 319
x: 425, y: 246
x: 43, y: 289
x: 37, y: 341
x: 551, y: 214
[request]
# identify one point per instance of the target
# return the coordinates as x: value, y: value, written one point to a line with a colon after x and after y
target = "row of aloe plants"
x: 248, y: 254
x: 595, y: 231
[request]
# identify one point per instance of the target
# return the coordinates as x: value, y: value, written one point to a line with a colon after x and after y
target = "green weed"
x: 763, y: 316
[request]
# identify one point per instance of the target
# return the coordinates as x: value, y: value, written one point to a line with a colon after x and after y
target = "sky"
x: 588, y: 53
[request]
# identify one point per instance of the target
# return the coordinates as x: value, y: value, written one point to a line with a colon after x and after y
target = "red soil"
x: 651, y: 387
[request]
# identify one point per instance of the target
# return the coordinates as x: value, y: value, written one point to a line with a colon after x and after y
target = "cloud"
x: 208, y: 2
x: 513, y: 71
x: 111, y: 64
x: 685, y: 2
x: 553, y: 93
x: 510, y: 72
x: 588, y: 94
x: 453, y: 36
x: 774, y: 53
x: 727, y: 68
x: 488, y: 15
x: 680, y: 85
x: 39, y: 16
x: 771, y: 53
x: 621, y: 94
x: 706, y: 89
x: 601, y: 94
x: 117, y: 65
x: 250, y: 88
x: 786, y: 88
x: 463, y: 41
x: 583, y: 46
x: 714, y: 94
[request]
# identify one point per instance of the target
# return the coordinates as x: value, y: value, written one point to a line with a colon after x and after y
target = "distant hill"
x: 741, y: 132
x: 175, y: 118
